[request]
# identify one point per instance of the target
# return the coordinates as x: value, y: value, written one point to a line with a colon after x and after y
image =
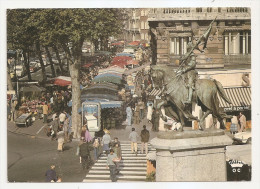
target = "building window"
x: 146, y: 25
x: 209, y: 9
x: 198, y: 9
x: 178, y: 45
x: 142, y: 36
x: 142, y: 12
x: 237, y: 42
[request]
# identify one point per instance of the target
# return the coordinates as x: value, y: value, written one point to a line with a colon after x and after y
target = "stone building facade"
x: 137, y: 28
x: 229, y: 42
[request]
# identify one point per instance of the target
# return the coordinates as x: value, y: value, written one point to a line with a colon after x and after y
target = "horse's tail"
x: 221, y: 91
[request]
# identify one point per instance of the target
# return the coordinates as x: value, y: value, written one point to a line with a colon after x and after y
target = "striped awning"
x: 240, y: 98
x: 155, y: 92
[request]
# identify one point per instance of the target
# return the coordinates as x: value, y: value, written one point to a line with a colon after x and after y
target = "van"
x: 19, y: 70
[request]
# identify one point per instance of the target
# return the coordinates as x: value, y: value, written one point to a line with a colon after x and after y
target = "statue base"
x: 191, y: 155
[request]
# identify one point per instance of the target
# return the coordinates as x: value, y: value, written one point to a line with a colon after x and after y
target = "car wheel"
x: 249, y: 140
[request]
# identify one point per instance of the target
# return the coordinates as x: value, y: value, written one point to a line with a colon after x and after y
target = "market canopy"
x: 134, y: 43
x: 109, y: 79
x: 108, y: 75
x: 240, y: 98
x: 32, y: 88
x: 133, y: 62
x: 62, y: 81
x: 109, y: 86
x: 125, y: 54
x: 114, y: 69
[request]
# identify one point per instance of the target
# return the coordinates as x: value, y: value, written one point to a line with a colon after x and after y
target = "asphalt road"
x: 30, y: 157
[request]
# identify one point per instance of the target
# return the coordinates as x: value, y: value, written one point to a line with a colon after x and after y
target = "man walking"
x: 45, y: 112
x: 145, y: 135
x: 84, y: 152
x: 133, y: 138
x: 111, y: 165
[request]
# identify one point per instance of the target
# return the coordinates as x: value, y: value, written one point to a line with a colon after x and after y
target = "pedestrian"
x: 141, y: 106
x: 145, y: 135
x: 115, y: 141
x: 155, y: 120
x: 88, y: 137
x: 50, y: 175
x: 84, y: 152
x: 242, y: 121
x: 60, y: 136
x: 133, y: 138
x: 111, y: 165
x: 96, y: 145
x: 65, y: 129
x: 106, y: 140
x: 234, y: 125
x: 55, y: 126
x: 129, y: 115
x: 62, y: 117
x: 117, y: 151
x: 83, y: 131
x: 13, y: 109
x: 45, y: 110
x: 137, y: 114
x: 149, y: 111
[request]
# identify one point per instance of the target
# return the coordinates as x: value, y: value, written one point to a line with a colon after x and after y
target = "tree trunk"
x: 51, y: 62
x: 39, y: 54
x: 27, y: 65
x: 58, y: 58
x: 76, y: 93
x: 76, y: 102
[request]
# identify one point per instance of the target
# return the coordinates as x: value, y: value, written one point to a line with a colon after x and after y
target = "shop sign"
x: 237, y: 108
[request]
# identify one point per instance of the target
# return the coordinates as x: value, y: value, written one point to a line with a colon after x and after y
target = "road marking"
x: 40, y: 129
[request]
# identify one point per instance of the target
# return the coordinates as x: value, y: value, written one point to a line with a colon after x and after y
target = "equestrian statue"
x: 182, y: 87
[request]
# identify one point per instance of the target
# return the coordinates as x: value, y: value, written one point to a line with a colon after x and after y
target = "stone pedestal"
x: 191, y: 155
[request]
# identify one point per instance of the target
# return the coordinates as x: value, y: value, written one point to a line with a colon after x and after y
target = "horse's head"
x: 157, y: 77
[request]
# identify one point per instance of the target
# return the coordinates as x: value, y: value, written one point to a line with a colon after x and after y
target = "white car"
x: 243, y: 137
x: 84, y: 50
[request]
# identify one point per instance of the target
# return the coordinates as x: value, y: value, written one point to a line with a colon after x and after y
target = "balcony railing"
x: 199, y: 13
x: 238, y: 59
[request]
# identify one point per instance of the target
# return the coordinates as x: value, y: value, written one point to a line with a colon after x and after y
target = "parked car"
x: 33, y: 66
x: 243, y: 137
x: 55, y: 61
x: 24, y: 119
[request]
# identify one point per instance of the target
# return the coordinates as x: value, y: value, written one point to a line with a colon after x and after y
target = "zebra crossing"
x: 132, y: 168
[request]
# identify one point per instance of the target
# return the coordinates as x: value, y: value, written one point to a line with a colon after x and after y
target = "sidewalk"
x: 37, y: 129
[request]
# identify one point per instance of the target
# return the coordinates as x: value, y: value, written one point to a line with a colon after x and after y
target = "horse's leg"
x: 222, y: 125
x: 203, y: 119
x: 214, y: 122
x: 181, y: 118
x: 186, y: 114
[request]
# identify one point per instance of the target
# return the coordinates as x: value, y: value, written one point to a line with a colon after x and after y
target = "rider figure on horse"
x: 187, y: 69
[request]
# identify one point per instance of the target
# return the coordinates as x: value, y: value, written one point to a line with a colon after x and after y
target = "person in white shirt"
x: 62, y: 117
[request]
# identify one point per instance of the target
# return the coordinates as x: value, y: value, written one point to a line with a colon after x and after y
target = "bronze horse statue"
x: 175, y: 92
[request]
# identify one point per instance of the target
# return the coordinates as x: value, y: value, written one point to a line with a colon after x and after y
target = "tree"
x: 19, y: 35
